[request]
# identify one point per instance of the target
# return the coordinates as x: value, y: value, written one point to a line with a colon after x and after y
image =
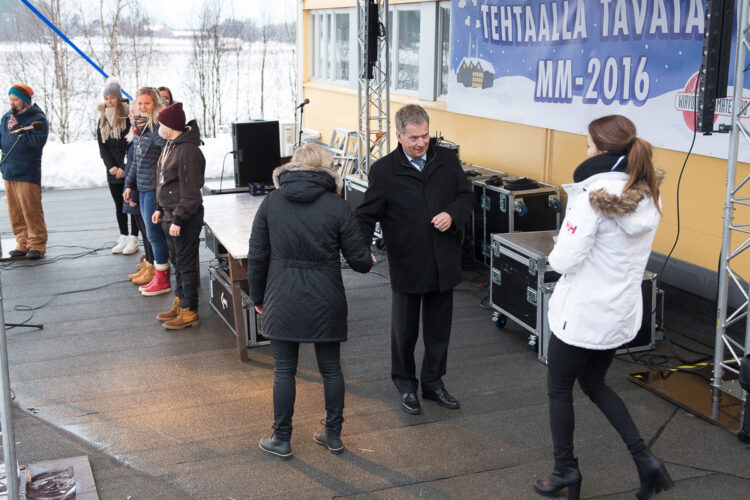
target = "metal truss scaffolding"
x: 373, y: 93
x: 737, y: 195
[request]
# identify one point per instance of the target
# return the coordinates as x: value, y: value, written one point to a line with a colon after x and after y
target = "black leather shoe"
x: 410, y: 403
x: 33, y: 254
x: 330, y: 439
x: 281, y: 449
x: 442, y: 398
x: 17, y: 253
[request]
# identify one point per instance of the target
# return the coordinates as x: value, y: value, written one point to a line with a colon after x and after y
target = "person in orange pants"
x: 22, y: 144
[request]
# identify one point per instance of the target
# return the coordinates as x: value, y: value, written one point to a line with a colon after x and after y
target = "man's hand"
x: 259, y: 309
x: 442, y: 221
x: 156, y: 218
x: 126, y: 196
x: 374, y: 261
x: 173, y: 229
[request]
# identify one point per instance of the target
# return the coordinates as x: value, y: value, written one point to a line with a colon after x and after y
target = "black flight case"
x: 501, y: 208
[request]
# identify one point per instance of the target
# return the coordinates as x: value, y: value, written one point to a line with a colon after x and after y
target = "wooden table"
x: 230, y: 218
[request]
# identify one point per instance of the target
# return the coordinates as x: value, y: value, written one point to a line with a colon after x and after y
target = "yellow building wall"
x: 551, y: 156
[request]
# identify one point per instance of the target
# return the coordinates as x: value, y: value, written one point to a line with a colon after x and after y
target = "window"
x: 329, y: 48
x: 444, y: 49
x: 407, y: 50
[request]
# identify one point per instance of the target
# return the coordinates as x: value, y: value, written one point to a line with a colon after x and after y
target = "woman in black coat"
x: 295, y: 282
x: 112, y: 127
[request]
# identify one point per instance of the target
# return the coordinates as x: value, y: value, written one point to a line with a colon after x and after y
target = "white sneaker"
x: 131, y: 246
x: 120, y: 244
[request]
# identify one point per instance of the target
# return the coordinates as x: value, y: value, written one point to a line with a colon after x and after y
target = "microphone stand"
x: 39, y: 327
x: 301, y: 110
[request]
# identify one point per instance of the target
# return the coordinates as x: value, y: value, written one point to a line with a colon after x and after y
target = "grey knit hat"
x: 112, y: 87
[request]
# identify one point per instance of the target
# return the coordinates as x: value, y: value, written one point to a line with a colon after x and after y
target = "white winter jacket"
x: 601, y: 252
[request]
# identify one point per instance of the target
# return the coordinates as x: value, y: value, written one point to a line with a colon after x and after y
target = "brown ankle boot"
x: 185, y: 318
x: 172, y: 313
x: 140, y: 268
x: 146, y: 276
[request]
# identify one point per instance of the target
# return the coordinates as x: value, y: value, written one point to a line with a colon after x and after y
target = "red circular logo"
x: 689, y: 115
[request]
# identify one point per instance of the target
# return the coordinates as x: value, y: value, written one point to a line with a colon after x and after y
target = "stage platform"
x: 176, y: 415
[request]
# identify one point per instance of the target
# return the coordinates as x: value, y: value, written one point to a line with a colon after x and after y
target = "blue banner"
x: 560, y: 64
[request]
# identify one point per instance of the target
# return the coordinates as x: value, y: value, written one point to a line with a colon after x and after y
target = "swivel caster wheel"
x: 499, y: 320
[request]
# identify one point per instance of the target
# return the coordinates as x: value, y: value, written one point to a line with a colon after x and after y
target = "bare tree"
x: 139, y: 39
x: 206, y: 64
x: 58, y: 72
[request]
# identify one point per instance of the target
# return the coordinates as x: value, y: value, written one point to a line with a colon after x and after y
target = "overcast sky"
x: 184, y: 13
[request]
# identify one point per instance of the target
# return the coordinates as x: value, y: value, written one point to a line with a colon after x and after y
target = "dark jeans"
x: 183, y: 252
x: 122, y: 219
x: 144, y: 237
x: 285, y: 356
x: 566, y: 363
x: 437, y: 314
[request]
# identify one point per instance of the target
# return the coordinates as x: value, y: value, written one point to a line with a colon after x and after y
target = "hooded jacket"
x: 601, y: 252
x: 294, y: 266
x: 181, y: 169
x: 421, y: 259
x: 113, y: 145
x: 25, y: 162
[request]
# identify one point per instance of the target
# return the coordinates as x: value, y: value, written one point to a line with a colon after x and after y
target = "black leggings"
x: 146, y: 244
x: 566, y: 364
x: 285, y: 355
x: 122, y: 219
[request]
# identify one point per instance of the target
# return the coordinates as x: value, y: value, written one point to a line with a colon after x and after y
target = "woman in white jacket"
x: 601, y: 252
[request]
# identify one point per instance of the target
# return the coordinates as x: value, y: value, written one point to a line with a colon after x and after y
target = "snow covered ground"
x: 78, y: 163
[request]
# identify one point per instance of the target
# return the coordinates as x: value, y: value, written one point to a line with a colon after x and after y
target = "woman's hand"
x: 113, y: 171
x: 126, y: 196
x: 259, y: 309
x: 174, y: 230
x: 156, y: 218
x: 119, y: 173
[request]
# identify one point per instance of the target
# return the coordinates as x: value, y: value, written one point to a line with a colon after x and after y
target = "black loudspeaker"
x: 717, y: 47
x: 373, y: 31
x: 257, y: 151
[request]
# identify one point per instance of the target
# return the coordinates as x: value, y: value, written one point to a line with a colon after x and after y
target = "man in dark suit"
x: 422, y: 198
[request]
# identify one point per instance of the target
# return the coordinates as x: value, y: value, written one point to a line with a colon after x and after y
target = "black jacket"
x: 181, y: 167
x: 421, y: 258
x: 114, y: 149
x: 293, y: 263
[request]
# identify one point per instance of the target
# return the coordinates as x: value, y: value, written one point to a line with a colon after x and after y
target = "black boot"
x: 567, y: 476
x: 274, y: 446
x: 330, y: 434
x: 653, y: 475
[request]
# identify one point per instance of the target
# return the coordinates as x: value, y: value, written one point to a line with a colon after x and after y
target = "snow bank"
x: 78, y: 165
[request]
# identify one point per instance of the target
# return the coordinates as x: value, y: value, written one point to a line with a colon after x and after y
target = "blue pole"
x: 69, y: 42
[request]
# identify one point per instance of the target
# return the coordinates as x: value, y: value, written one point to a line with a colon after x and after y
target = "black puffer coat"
x: 293, y: 263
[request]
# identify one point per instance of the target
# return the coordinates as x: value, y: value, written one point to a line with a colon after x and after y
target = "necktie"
x: 419, y: 163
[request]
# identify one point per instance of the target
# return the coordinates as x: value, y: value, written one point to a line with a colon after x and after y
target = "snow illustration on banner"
x: 560, y: 64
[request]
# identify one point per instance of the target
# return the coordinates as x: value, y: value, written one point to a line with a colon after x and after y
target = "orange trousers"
x: 26, y: 215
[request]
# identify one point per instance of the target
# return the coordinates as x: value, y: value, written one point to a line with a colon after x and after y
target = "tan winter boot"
x: 185, y: 318
x: 172, y: 313
x: 146, y: 276
x: 140, y: 268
